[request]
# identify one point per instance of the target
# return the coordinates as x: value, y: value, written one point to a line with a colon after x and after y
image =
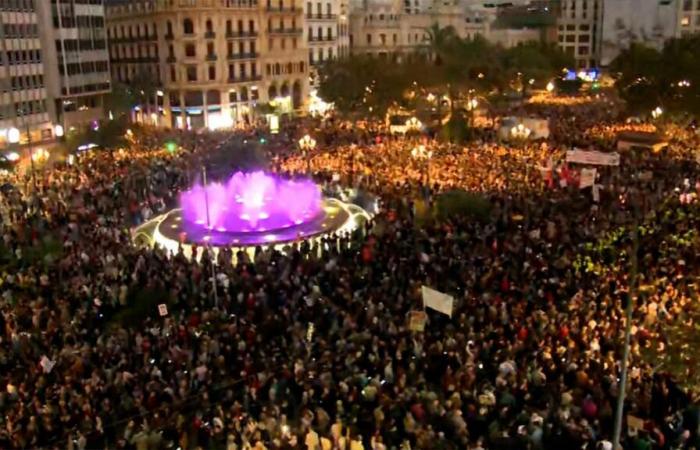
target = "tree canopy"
x: 447, y: 64
x: 670, y: 78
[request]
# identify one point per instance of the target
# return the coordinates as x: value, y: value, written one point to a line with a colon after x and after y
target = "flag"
x: 437, y: 300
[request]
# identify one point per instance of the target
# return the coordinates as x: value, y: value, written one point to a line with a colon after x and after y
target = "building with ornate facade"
x: 213, y: 61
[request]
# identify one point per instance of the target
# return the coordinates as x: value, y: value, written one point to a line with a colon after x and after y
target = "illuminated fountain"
x: 250, y: 202
x: 251, y: 209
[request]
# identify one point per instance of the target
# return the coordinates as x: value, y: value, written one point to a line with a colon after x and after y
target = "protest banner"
x: 587, y: 178
x: 593, y: 158
x: 438, y: 301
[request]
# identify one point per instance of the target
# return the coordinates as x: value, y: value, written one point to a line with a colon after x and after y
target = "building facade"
x: 687, y: 17
x: 24, y: 103
x: 212, y: 61
x: 76, y: 61
x: 579, y: 29
x: 649, y: 23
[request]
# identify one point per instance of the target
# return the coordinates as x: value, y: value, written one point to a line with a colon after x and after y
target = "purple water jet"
x: 250, y: 203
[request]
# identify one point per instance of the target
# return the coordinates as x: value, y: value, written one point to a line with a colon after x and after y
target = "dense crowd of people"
x: 310, y: 347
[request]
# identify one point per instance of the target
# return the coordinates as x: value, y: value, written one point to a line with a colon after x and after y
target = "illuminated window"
x: 685, y: 21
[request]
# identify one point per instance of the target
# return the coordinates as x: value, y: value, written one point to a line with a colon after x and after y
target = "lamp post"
x: 657, y: 112
x: 413, y: 124
x: 472, y: 104
x: 520, y: 131
x: 307, y: 144
x: 423, y: 154
x: 14, y: 138
x: 209, y: 227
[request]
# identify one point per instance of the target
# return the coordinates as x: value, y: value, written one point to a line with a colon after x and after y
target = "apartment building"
x: 24, y: 104
x: 213, y: 60
x: 688, y: 17
x: 76, y: 61
x: 579, y: 29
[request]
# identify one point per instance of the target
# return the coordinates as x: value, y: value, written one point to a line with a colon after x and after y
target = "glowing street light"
x: 657, y: 112
x: 307, y: 144
x: 520, y: 131
x: 58, y: 131
x: 413, y: 124
x: 550, y: 86
x: 423, y: 154
x: 13, y: 136
x: 472, y: 104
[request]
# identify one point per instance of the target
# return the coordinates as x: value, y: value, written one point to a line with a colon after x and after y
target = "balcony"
x: 137, y: 8
x: 245, y: 78
x: 285, y: 32
x: 209, y: 35
x: 169, y: 37
x: 322, y: 38
x: 310, y: 16
x: 211, y: 57
x: 241, y: 34
x: 171, y: 59
x: 283, y: 9
x: 238, y: 56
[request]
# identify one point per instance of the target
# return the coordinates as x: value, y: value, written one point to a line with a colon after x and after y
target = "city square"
x: 239, y: 226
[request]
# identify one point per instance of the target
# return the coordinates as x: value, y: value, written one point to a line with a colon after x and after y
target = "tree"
x: 647, y: 78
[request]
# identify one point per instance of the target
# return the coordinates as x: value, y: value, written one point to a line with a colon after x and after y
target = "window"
x: 687, y: 5
x: 369, y: 39
x: 308, y: 8
x: 395, y: 39
x: 241, y: 70
x: 328, y: 9
x: 583, y: 50
x: 571, y: 38
x: 382, y: 37
x: 188, y: 26
x: 685, y: 21
x: 229, y: 27
x: 230, y: 49
x: 329, y: 33
x: 210, y: 49
x: 584, y: 37
x: 251, y: 26
x: 231, y: 75
x: 210, y: 26
x: 191, y: 73
x: 170, y: 28
x: 190, y: 51
x: 310, y: 33
x: 212, y: 73
x: 173, y: 74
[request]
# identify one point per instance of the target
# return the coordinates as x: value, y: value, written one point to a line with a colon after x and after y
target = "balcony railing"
x: 237, y: 56
x: 285, y: 31
x: 241, y: 34
x: 209, y: 35
x: 137, y: 8
x: 171, y: 59
x: 282, y: 9
x: 169, y: 37
x: 245, y: 78
x: 321, y: 16
x: 211, y: 57
x: 322, y: 38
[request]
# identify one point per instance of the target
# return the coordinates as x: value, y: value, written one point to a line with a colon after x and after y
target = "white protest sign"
x: 438, y: 301
x: 163, y: 310
x: 593, y: 158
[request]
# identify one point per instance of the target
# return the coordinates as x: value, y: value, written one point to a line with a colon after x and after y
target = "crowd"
x: 309, y: 347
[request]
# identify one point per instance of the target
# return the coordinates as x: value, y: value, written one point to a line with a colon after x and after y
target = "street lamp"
x: 423, y: 154
x: 657, y: 112
x: 550, y: 87
x: 58, y: 131
x: 413, y: 124
x: 13, y: 136
x: 520, y: 131
x: 307, y: 144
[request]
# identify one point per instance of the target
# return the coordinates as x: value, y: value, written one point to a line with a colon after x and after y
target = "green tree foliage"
x: 447, y: 64
x: 109, y: 135
x: 647, y: 78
